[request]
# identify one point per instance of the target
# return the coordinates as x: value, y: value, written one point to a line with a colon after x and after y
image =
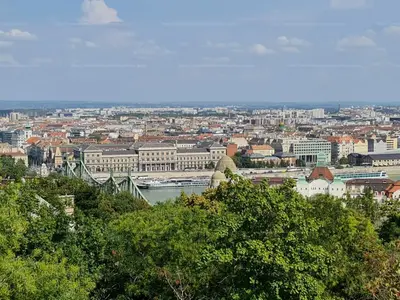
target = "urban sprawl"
x: 338, y: 152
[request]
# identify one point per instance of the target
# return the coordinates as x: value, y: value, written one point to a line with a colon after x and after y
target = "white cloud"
x: 260, y: 49
x: 290, y: 49
x: 350, y: 4
x: 292, y: 42
x: 17, y: 34
x: 229, y: 45
x: 392, y: 30
x: 117, y: 38
x: 355, y: 42
x: 41, y: 61
x: 90, y: 44
x: 5, y: 44
x: 75, y: 42
x: 217, y: 59
x: 149, y: 48
x: 96, y: 12
x: 370, y: 33
x: 7, y: 59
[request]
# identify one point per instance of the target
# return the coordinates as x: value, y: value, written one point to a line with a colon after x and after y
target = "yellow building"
x: 391, y: 143
x: 361, y: 146
x: 265, y: 150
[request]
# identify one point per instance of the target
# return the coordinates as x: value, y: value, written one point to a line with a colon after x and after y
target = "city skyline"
x: 317, y: 51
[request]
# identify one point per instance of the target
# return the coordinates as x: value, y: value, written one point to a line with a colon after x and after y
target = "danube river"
x: 164, y: 194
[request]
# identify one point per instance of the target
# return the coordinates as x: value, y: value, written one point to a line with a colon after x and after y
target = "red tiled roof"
x: 261, y: 147
x: 33, y: 140
x: 392, y: 188
x: 321, y: 172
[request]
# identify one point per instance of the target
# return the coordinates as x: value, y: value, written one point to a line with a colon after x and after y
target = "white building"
x: 18, y: 138
x: 147, y: 157
x: 321, y: 181
x: 28, y: 132
x: 309, y: 150
x: 318, y: 113
x: 342, y: 149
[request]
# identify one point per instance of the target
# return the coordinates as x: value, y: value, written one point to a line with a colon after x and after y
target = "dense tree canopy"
x: 238, y: 241
x: 11, y: 168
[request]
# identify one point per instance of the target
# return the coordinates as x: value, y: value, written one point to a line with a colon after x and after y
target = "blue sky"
x: 194, y: 51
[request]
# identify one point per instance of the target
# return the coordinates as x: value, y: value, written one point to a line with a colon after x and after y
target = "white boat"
x: 362, y: 175
x: 173, y: 183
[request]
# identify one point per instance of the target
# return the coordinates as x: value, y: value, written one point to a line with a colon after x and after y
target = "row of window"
x: 184, y: 158
x: 159, y: 153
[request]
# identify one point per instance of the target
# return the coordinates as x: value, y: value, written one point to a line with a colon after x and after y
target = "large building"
x: 18, y: 138
x: 308, y: 151
x: 341, y: 147
x: 360, y: 146
x: 320, y: 181
x: 375, y: 160
x: 147, y: 157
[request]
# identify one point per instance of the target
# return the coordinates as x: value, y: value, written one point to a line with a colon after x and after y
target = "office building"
x: 309, y: 150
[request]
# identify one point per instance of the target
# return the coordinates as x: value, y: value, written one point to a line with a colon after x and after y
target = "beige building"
x: 265, y: 150
x: 391, y: 143
x: 18, y: 156
x: 147, y: 157
x: 16, y: 153
x: 361, y: 146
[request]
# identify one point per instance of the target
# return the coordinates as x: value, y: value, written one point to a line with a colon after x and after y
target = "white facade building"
x: 321, y: 181
x: 309, y: 150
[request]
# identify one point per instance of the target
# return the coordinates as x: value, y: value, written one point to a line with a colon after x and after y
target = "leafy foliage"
x: 11, y: 169
x: 238, y: 241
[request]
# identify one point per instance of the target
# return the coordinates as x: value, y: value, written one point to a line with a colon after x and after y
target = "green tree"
x: 11, y: 169
x: 210, y: 165
x: 344, y: 160
x: 32, y: 265
x: 283, y: 164
x: 383, y: 269
x: 366, y: 205
x: 48, y: 278
x: 19, y: 170
x: 300, y: 163
x: 156, y: 254
x: 390, y: 229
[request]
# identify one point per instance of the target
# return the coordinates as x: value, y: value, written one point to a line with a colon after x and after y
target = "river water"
x: 161, y: 195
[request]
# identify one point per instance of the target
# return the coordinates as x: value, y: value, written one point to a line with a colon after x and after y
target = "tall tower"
x: 282, y: 120
x: 28, y: 131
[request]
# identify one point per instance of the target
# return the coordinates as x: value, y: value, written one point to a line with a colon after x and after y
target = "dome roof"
x: 218, y: 175
x: 225, y: 163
